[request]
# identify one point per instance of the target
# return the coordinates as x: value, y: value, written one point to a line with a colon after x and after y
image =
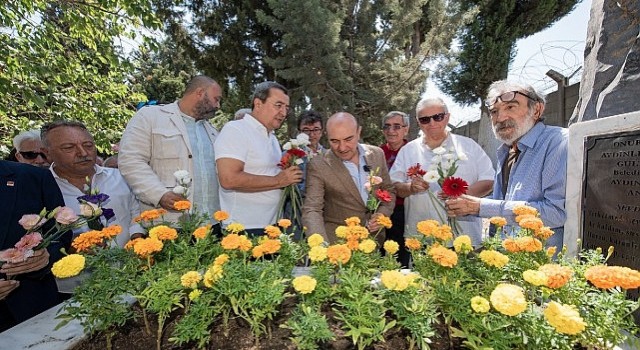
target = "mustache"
x: 505, y: 124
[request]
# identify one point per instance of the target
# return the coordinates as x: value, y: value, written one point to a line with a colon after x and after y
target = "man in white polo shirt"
x: 247, y: 156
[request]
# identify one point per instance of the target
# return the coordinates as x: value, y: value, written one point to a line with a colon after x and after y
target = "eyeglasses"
x: 32, y: 155
x: 436, y: 118
x: 507, y: 97
x: 387, y: 127
x: 309, y: 131
x: 281, y: 105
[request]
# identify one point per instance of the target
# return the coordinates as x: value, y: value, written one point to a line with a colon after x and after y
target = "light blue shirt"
x: 205, y: 177
x: 538, y: 179
x: 358, y: 174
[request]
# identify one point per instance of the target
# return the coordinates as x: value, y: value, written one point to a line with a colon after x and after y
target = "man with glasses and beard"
x: 159, y: 140
x: 473, y: 166
x: 532, y: 162
x: 29, y: 149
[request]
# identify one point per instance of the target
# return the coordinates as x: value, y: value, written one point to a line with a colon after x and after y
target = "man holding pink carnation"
x: 27, y: 286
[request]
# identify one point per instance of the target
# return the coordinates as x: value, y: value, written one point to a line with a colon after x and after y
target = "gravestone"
x: 603, y: 189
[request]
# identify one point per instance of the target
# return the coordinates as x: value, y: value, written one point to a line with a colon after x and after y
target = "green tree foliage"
x: 487, y: 44
x: 65, y: 59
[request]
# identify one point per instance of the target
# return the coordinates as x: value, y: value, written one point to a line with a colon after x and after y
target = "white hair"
x: 25, y: 136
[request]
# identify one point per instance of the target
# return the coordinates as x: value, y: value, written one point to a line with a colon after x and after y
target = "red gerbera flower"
x: 383, y: 195
x: 415, y: 170
x: 285, y: 161
x: 454, y: 186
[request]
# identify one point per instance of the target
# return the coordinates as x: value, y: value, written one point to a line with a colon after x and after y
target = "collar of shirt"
x: 254, y: 123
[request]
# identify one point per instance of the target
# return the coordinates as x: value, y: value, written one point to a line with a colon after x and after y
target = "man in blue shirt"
x: 532, y: 162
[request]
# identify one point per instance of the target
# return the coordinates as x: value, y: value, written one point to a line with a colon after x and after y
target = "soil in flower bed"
x: 132, y: 336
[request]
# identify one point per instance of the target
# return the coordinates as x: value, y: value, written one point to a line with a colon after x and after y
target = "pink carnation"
x: 29, y: 241
x: 31, y: 221
x: 65, y: 216
x: 13, y: 255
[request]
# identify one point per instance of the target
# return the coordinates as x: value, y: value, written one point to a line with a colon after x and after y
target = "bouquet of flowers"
x: 91, y: 207
x: 376, y: 195
x: 294, y: 154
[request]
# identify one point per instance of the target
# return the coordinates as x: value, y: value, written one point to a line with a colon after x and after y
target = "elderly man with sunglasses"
x: 29, y: 148
x: 532, y: 162
x: 474, y: 166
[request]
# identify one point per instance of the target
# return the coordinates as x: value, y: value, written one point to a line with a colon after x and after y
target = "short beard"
x: 203, y: 109
x: 518, y: 130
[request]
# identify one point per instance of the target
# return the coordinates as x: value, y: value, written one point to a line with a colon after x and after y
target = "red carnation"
x: 297, y: 152
x: 383, y: 195
x: 454, y: 186
x: 415, y: 170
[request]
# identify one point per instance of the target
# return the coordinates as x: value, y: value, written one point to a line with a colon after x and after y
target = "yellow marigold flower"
x: 87, y: 240
x: 525, y: 210
x: 480, y: 304
x: 494, y: 258
x: 221, y: 259
x: 543, y: 233
x: 510, y: 245
x: 284, y: 223
x: 339, y: 253
x: 244, y: 244
x: 163, y: 233
x: 201, y: 232
x: 443, y: 256
x: 531, y: 223
x: 235, y: 227
x: 412, y: 244
x: 131, y: 243
x: 508, y: 299
x: 272, y: 231
x: 68, y: 266
x: 443, y: 233
x: 607, y: 277
x: 428, y: 227
x: 191, y: 279
x: 195, y: 294
x: 213, y: 274
x: 391, y: 247
x: 315, y: 240
x: 462, y: 244
x: 394, y: 280
x: 384, y: 221
x: 352, y: 221
x: 147, y: 246
x: 304, y: 284
x: 220, y: 215
x: 564, y: 318
x: 557, y: 275
x: 353, y: 243
x: 537, y: 278
x: 498, y: 221
x: 367, y: 246
x: 551, y: 251
x: 111, y: 231
x: 529, y: 244
x: 341, y: 231
x: 182, y: 205
x: 317, y: 253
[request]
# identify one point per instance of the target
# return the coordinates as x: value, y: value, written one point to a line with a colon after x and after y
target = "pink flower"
x: 13, y: 255
x: 31, y: 221
x: 376, y: 180
x: 29, y: 241
x: 367, y: 186
x: 65, y: 216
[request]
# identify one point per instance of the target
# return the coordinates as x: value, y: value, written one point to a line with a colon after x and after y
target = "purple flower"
x: 94, y: 198
x: 108, y: 213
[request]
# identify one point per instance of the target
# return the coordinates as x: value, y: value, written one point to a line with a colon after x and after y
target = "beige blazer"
x: 332, y: 195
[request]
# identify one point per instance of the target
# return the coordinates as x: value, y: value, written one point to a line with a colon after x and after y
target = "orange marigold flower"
x: 271, y: 246
x: 498, y: 221
x: 87, y: 240
x: 111, y: 231
x: 606, y: 277
x: 272, y: 231
x: 428, y: 227
x: 220, y: 215
x: 443, y: 256
x: 524, y: 216
x: 510, y: 245
x: 525, y: 210
x: 338, y: 253
x: 359, y: 232
x: 412, y: 244
x: 531, y: 223
x: 182, y: 205
x: 384, y: 221
x: 231, y: 241
x: 352, y: 221
x: 131, y: 243
x: 244, y: 244
x: 443, y: 233
x: 543, y: 232
x: 353, y: 243
x: 529, y: 244
x: 557, y: 275
x: 201, y: 232
x: 257, y: 251
x: 284, y: 223
x: 150, y: 215
x: 147, y: 246
x: 163, y: 233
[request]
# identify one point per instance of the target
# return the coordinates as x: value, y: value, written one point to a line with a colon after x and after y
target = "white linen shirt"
x: 121, y: 199
x: 420, y: 206
x: 248, y: 141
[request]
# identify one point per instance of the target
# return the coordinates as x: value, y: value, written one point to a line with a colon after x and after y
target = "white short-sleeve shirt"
x: 248, y: 141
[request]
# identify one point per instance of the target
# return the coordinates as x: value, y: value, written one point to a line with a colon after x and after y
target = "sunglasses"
x: 436, y: 118
x: 507, y: 97
x: 32, y: 155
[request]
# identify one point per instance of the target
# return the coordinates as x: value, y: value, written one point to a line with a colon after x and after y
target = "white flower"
x: 287, y: 146
x: 89, y: 209
x: 436, y: 159
x: 181, y: 190
x: 294, y: 143
x: 299, y: 161
x: 462, y: 156
x: 439, y: 150
x: 181, y: 176
x: 448, y: 156
x: 303, y: 139
x: 431, y: 176
x: 447, y: 163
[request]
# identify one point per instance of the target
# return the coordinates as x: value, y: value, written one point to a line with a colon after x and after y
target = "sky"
x: 559, y: 47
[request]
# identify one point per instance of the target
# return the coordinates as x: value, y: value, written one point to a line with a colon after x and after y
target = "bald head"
x: 343, y: 133
x: 342, y: 118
